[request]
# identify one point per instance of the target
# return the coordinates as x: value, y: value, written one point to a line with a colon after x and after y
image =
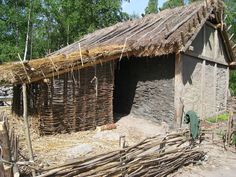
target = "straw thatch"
x: 169, y: 31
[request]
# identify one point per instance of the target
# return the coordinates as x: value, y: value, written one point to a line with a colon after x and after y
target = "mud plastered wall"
x: 145, y: 88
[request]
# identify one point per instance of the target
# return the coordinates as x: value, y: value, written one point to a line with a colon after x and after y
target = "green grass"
x: 219, y: 118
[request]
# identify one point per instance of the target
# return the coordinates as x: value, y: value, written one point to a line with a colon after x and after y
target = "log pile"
x: 154, y: 156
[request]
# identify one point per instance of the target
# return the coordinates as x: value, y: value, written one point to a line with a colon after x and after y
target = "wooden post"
x: 214, y: 88
x: 25, y: 108
x: 202, y: 100
x: 202, y: 90
x: 179, y: 86
x: 26, y: 122
x: 5, y: 151
x: 216, y: 46
x: 4, y: 142
x: 2, y: 173
x: 226, y: 88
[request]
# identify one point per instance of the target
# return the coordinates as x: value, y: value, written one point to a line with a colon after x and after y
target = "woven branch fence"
x: 76, y: 101
x: 154, y: 156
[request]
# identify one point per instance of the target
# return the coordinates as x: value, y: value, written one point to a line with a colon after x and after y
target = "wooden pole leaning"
x: 25, y: 107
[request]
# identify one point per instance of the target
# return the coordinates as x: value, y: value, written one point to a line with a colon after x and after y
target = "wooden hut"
x: 155, y: 67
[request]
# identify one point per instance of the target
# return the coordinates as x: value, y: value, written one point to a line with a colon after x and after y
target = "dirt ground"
x: 58, y: 149
x: 62, y: 148
x: 220, y: 163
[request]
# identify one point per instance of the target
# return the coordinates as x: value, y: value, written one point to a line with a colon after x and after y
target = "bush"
x: 219, y: 118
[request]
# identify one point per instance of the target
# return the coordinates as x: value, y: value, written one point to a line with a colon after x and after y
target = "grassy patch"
x: 219, y: 118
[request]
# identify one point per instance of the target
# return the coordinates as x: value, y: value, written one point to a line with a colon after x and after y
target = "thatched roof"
x: 169, y: 31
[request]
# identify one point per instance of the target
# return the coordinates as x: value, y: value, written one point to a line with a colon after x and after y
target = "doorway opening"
x: 124, y: 88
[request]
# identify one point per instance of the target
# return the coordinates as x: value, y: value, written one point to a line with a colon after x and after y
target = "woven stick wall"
x: 32, y: 92
x: 75, y: 101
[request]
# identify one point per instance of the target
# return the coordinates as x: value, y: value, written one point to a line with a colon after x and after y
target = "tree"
x: 172, y: 4
x: 152, y: 7
x: 230, y: 12
x: 53, y: 24
x: 231, y: 20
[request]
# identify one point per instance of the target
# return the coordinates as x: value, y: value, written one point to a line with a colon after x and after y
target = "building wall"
x: 146, y: 88
x: 205, y: 86
x: 79, y: 100
x: 192, y: 68
x: 209, y: 44
x: 205, y: 74
x: 221, y: 87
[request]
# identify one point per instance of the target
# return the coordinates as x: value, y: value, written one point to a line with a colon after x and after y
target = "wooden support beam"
x: 182, y: 38
x: 214, y: 88
x: 204, y: 11
x: 203, y: 57
x: 199, y: 17
x: 189, y: 27
x: 216, y: 49
x: 229, y: 28
x: 202, y: 112
x: 179, y: 87
x: 232, y: 35
x: 194, y: 23
x: 226, y: 88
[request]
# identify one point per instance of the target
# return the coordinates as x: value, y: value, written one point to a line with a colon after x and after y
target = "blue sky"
x: 137, y: 6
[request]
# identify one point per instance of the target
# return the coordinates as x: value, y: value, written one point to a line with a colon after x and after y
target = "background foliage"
x: 152, y: 7
x: 53, y: 23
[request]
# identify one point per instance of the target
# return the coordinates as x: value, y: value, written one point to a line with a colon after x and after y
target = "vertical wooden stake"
x: 5, y: 153
x: 226, y: 89
x: 25, y: 108
x: 179, y: 86
x: 214, y: 89
x: 2, y: 170
x: 203, y: 106
x: 182, y: 38
x: 26, y: 124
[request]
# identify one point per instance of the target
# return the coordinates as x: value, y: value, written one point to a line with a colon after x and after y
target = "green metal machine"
x: 194, y: 121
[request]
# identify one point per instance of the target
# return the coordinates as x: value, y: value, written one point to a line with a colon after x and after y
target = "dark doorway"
x: 124, y: 89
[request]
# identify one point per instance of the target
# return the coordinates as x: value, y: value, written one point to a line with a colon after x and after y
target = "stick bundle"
x: 154, y: 156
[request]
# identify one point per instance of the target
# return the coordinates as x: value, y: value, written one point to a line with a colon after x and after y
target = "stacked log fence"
x: 154, y: 156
